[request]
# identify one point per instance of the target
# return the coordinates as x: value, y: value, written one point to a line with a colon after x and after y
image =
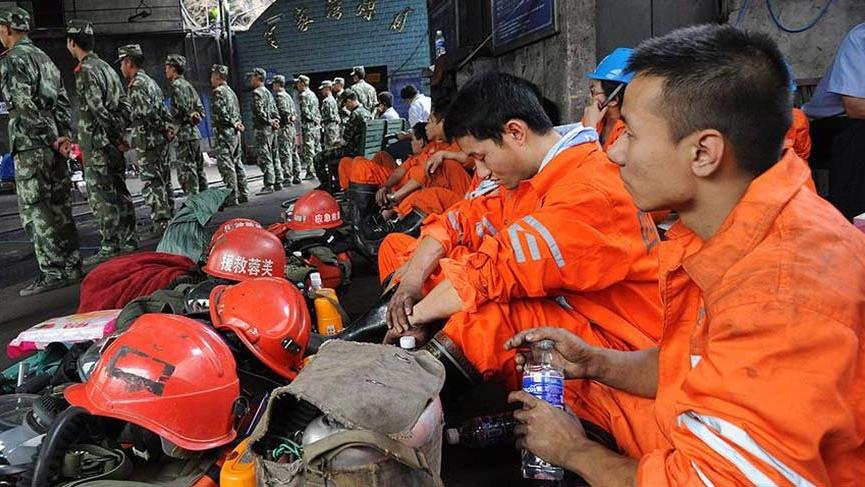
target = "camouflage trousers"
x: 229, y: 160
x: 267, y: 156
x: 326, y: 164
x: 45, y: 206
x: 330, y: 135
x: 156, y: 176
x: 287, y: 153
x: 190, y: 167
x: 311, y: 147
x: 105, y: 174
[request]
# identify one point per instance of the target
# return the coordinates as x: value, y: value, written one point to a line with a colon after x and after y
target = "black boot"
x: 362, y: 199
x: 371, y: 327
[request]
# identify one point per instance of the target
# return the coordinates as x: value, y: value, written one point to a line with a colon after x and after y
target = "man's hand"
x: 122, y: 146
x: 407, y: 294
x: 292, y: 119
x: 239, y: 127
x: 572, y: 354
x: 62, y: 145
x: 274, y: 124
x: 434, y: 162
x: 381, y: 196
x: 196, y: 118
x: 546, y: 431
x: 593, y: 114
x: 170, y: 134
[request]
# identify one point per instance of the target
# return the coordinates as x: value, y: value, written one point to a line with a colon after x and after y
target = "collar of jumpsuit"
x: 548, y: 174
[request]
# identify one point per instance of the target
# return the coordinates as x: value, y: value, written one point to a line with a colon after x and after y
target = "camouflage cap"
x: 279, y: 79
x: 303, y: 79
x: 16, y: 18
x: 358, y: 70
x: 175, y: 60
x: 129, y: 50
x: 346, y: 94
x: 260, y: 72
x: 325, y: 84
x: 219, y: 68
x: 339, y: 80
x: 76, y: 26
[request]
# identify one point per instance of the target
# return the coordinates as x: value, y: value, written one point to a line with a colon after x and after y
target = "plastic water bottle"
x: 484, y: 431
x: 440, y: 44
x: 543, y: 380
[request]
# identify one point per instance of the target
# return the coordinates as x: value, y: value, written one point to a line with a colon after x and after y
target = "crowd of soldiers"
x: 41, y: 137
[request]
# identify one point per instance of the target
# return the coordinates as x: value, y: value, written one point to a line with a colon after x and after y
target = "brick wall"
x: 338, y: 45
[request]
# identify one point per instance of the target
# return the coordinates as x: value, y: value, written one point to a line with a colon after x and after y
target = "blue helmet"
x: 614, y: 67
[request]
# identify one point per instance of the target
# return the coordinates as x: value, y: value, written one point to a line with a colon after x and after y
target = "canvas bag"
x: 377, y: 391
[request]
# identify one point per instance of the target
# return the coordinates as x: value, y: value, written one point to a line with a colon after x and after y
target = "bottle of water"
x: 484, y: 431
x: 440, y: 44
x: 544, y: 381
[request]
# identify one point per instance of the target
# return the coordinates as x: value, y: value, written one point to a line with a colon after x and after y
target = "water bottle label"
x: 548, y: 387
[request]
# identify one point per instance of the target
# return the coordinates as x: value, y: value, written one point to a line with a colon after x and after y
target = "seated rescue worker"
x: 603, y: 110
x: 351, y: 145
x: 571, y: 249
x: 401, y: 253
x: 758, y: 377
x: 380, y: 169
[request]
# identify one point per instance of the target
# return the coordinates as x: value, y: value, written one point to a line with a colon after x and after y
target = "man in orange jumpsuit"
x: 758, y: 376
x: 572, y: 248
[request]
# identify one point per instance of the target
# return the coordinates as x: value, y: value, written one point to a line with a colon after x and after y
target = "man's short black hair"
x: 386, y: 99
x: 136, y: 60
x: 86, y: 42
x: 440, y: 106
x: 719, y: 77
x: 408, y: 92
x: 609, y: 87
x: 419, y: 131
x: 488, y: 101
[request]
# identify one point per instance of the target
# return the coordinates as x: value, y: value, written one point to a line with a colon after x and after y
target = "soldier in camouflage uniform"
x: 287, y: 134
x: 149, y: 136
x: 310, y: 120
x: 105, y: 112
x: 227, y: 127
x: 366, y: 93
x: 326, y: 162
x: 338, y: 88
x: 265, y: 121
x: 39, y: 130
x: 186, y: 112
x: 329, y: 117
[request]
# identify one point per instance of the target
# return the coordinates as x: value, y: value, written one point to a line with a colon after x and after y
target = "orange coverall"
x: 618, y: 130
x: 573, y: 251
x: 799, y: 135
x: 761, y: 356
x: 364, y: 171
x: 446, y: 187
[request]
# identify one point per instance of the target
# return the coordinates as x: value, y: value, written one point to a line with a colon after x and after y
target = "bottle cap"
x: 407, y: 342
x: 438, y: 32
x: 315, y: 280
x: 452, y: 435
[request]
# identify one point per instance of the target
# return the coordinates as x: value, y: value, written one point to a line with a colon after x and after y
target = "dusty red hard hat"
x: 315, y: 210
x: 270, y: 316
x: 246, y: 253
x: 230, y: 225
x: 169, y: 374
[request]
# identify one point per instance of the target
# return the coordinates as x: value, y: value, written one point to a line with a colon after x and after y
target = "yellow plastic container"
x: 239, y: 468
x: 328, y: 318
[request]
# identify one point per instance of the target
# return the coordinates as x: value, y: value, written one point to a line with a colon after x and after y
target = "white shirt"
x: 846, y: 77
x: 418, y: 110
x: 389, y: 114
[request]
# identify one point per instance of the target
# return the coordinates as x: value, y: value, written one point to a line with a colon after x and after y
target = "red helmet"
x: 230, y: 225
x: 168, y: 374
x: 271, y: 318
x: 315, y: 210
x: 246, y: 253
